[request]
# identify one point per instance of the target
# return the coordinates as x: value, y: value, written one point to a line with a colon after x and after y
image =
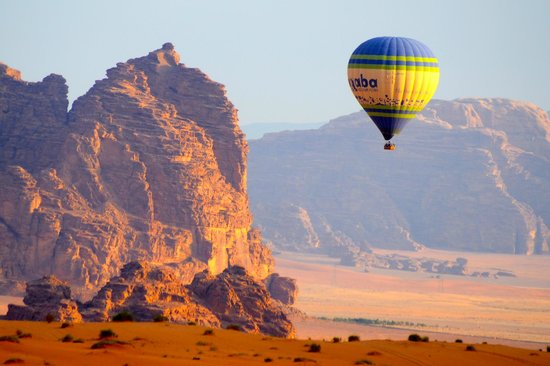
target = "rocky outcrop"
x: 150, y: 164
x: 468, y: 175
x: 236, y: 298
x: 147, y: 291
x: 46, y: 298
x: 282, y: 288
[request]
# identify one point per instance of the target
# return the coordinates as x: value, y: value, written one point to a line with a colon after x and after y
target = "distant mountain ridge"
x: 258, y: 130
x: 468, y: 174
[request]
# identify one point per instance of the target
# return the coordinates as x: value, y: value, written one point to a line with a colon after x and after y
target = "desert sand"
x: 172, y: 344
x: 505, y: 310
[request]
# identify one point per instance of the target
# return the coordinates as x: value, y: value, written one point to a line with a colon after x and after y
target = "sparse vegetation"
x: 9, y: 338
x: 49, y: 317
x: 191, y: 323
x: 13, y: 360
x: 65, y: 325
x: 107, y: 333
x: 364, y: 362
x: 336, y: 339
x: 123, y: 316
x: 78, y: 340
x: 208, y: 332
x: 547, y: 348
x: 268, y: 359
x: 21, y: 334
x: 202, y: 343
x: 374, y: 353
x: 417, y: 338
x: 303, y: 359
x: 234, y: 327
x: 314, y: 347
x: 159, y: 318
x: 470, y: 348
x: 458, y: 340
x: 354, y: 338
x: 106, y: 343
x: 67, y: 338
x: 380, y: 322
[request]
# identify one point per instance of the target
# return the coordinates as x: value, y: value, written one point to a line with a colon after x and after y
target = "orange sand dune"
x: 171, y: 344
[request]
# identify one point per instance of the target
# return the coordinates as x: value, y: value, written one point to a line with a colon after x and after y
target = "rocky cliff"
x: 153, y: 292
x: 468, y: 174
x: 150, y: 164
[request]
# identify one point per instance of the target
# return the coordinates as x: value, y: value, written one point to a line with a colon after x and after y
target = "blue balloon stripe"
x: 393, y: 62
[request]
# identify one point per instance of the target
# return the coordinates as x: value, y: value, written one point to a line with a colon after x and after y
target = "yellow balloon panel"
x: 393, y: 89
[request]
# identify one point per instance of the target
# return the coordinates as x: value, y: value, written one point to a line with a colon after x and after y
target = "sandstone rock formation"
x: 147, y: 291
x: 150, y: 164
x: 46, y: 297
x: 281, y: 288
x: 468, y: 174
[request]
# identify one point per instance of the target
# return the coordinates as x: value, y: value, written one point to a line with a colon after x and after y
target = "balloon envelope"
x: 393, y: 79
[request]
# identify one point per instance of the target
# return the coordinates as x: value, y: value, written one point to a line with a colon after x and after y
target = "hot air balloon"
x: 393, y: 79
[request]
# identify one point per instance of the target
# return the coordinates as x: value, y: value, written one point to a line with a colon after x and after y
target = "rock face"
x: 150, y: 164
x: 146, y: 291
x: 468, y: 174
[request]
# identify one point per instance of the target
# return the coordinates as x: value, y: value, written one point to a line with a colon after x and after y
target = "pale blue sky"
x: 284, y: 60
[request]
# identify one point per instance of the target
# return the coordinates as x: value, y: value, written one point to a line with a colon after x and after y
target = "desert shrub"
x: 65, y: 325
x: 374, y: 353
x: 191, y: 323
x: 303, y: 359
x: 268, y: 359
x: 123, y: 316
x: 458, y: 340
x: 67, y: 338
x: 49, y: 317
x: 234, y: 327
x: 354, y: 338
x: 547, y: 348
x: 425, y: 339
x: 107, y: 333
x: 415, y: 338
x: 9, y: 338
x: 78, y: 340
x: 159, y: 318
x: 202, y: 343
x: 470, y: 348
x: 314, y: 347
x: 364, y: 362
x: 336, y: 339
x: 20, y: 334
x: 195, y: 358
x: 105, y: 343
x: 13, y: 360
x: 208, y: 332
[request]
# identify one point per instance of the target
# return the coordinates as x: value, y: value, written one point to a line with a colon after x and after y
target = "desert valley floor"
x: 509, y: 309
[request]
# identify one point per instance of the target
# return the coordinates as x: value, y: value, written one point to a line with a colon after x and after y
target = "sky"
x: 284, y: 60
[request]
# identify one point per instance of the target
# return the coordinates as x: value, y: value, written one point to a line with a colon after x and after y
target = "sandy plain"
x: 172, y: 344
